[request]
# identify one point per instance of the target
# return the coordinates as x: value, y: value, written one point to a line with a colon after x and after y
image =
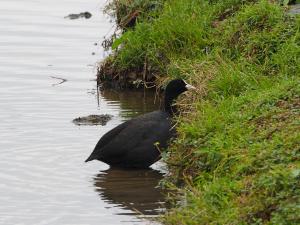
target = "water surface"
x: 44, y: 179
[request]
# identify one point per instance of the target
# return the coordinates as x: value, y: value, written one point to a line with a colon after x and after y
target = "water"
x: 44, y: 179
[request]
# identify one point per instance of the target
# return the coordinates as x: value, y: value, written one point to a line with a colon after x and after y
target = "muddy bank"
x: 112, y: 72
x: 243, y: 58
x: 109, y: 76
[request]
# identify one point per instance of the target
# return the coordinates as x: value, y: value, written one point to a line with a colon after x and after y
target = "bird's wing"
x: 107, y: 137
x: 133, y: 133
x: 104, y: 140
x: 127, y: 139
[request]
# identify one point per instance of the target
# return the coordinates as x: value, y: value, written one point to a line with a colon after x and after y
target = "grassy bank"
x: 237, y: 157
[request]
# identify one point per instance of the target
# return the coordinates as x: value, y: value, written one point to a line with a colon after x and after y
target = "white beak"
x: 190, y: 87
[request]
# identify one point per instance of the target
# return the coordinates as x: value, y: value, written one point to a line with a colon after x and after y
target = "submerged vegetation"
x: 237, y: 157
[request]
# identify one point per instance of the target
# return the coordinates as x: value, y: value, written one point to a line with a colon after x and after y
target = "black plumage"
x: 137, y: 143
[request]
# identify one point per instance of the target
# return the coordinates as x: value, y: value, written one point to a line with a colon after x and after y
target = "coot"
x: 137, y: 143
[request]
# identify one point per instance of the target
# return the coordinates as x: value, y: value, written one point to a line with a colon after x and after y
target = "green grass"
x: 241, y: 158
x: 237, y: 157
x: 125, y: 10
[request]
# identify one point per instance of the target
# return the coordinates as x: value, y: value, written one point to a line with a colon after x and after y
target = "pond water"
x: 47, y: 72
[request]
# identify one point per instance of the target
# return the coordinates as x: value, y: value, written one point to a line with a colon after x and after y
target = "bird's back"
x: 135, y: 143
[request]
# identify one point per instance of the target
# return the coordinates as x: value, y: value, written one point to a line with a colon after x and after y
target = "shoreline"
x: 237, y: 156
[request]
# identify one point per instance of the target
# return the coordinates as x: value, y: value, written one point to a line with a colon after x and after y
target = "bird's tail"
x: 90, y: 158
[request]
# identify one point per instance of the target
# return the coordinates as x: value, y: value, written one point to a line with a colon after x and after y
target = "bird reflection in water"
x: 132, y: 102
x: 134, y: 190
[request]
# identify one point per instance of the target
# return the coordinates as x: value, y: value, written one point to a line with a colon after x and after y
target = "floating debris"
x: 86, y: 15
x: 62, y: 80
x: 93, y: 120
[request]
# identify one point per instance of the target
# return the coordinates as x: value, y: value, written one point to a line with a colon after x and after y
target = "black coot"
x: 137, y: 143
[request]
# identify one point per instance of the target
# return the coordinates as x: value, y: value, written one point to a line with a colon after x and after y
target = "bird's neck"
x: 170, y: 106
